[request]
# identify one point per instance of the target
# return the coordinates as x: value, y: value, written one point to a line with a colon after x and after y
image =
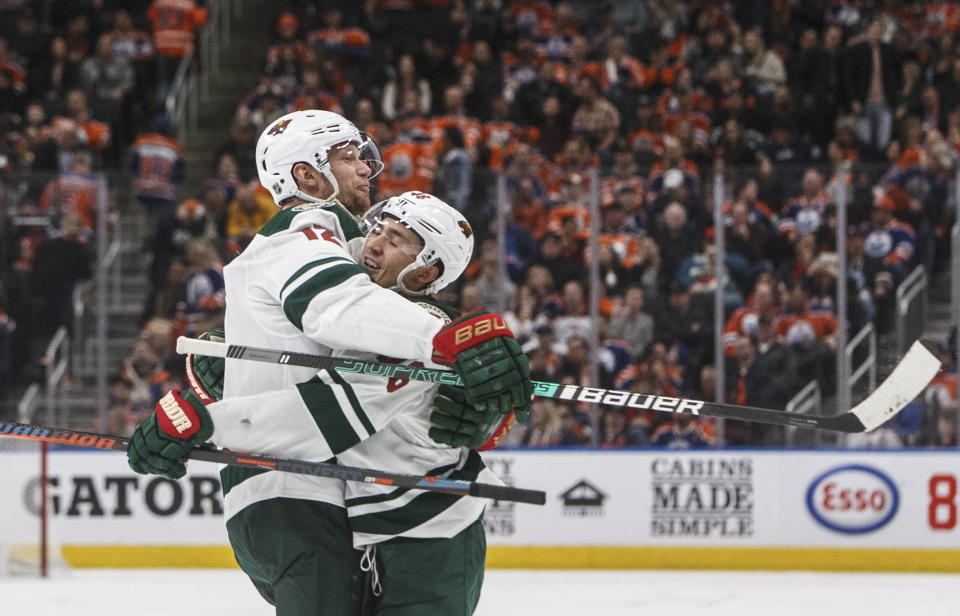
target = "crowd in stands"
x: 800, y: 107
x: 82, y: 91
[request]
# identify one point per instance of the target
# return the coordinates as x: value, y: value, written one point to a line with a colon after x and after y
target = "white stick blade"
x: 908, y: 379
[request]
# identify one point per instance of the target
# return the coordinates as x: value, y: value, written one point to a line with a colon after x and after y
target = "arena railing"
x: 911, y: 306
x: 866, y: 368
x: 28, y: 404
x: 191, y: 83
x: 809, y: 402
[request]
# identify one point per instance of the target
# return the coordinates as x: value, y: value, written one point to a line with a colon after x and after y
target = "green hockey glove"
x: 482, y: 350
x: 204, y: 372
x: 160, y: 443
x: 454, y: 421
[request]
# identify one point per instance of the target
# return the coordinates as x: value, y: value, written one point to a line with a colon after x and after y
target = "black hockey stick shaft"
x: 908, y: 379
x: 303, y: 467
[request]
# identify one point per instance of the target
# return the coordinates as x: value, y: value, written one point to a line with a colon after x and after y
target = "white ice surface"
x: 165, y: 592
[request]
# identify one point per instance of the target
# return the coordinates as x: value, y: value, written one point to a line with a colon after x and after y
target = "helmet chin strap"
x: 313, y: 198
x: 402, y: 287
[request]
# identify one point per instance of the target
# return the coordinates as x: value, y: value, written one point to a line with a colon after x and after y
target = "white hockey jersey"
x: 296, y: 288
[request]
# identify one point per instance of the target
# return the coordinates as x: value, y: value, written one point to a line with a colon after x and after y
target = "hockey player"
x: 296, y: 287
x: 416, y: 244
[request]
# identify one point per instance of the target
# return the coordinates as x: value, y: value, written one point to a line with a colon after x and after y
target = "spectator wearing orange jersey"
x: 94, y: 134
x: 573, y: 165
x: 575, y: 63
x: 743, y: 321
x: 409, y: 162
x: 810, y: 334
x: 799, y: 322
x: 528, y: 209
x: 157, y: 163
x: 73, y: 193
x: 344, y: 44
x: 175, y: 25
x: 621, y: 74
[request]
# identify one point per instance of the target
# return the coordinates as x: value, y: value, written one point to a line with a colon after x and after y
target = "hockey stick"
x: 303, y: 467
x: 905, y: 383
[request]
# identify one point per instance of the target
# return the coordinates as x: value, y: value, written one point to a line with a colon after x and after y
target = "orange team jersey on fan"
x: 158, y: 165
x: 609, y: 72
x: 470, y: 128
x: 743, y: 322
x: 532, y: 216
x: 317, y: 100
x: 820, y: 322
x: 665, y: 76
x: 175, y: 23
x: 647, y: 141
x: 580, y: 214
x: 944, y: 384
x: 688, y: 167
x: 72, y: 193
x: 407, y: 166
x: 349, y: 37
x: 98, y: 134
x: 625, y: 245
x: 502, y: 138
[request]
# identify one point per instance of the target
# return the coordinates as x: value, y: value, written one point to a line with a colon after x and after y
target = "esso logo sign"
x: 853, y: 499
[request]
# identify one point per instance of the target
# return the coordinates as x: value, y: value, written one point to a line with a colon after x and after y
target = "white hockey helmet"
x: 308, y: 137
x: 446, y: 234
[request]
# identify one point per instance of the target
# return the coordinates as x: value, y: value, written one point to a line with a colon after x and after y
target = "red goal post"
x: 27, y: 535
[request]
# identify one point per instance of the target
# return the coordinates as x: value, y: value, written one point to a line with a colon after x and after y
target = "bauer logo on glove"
x: 478, y: 329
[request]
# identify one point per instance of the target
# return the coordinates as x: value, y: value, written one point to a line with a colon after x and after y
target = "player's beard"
x: 355, y: 202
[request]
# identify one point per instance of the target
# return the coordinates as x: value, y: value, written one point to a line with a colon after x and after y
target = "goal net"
x: 27, y: 537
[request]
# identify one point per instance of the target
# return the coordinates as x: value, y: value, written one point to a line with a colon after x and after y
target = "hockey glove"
x: 161, y: 441
x: 481, y: 349
x: 454, y: 421
x: 205, y: 372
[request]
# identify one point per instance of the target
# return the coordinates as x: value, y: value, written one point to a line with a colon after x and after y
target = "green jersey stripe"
x: 354, y: 402
x: 232, y: 476
x: 280, y: 222
x: 284, y: 218
x: 325, y: 410
x: 348, y: 223
x: 299, y: 299
x: 309, y: 266
x: 397, y: 521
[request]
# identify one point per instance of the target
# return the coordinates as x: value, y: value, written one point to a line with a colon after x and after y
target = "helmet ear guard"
x: 446, y: 234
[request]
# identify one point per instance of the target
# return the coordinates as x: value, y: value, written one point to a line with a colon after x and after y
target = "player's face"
x: 353, y: 178
x: 389, y: 248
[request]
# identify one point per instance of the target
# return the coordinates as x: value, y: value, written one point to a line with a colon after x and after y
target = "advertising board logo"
x: 701, y: 497
x: 583, y: 499
x: 853, y: 499
x: 500, y: 517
